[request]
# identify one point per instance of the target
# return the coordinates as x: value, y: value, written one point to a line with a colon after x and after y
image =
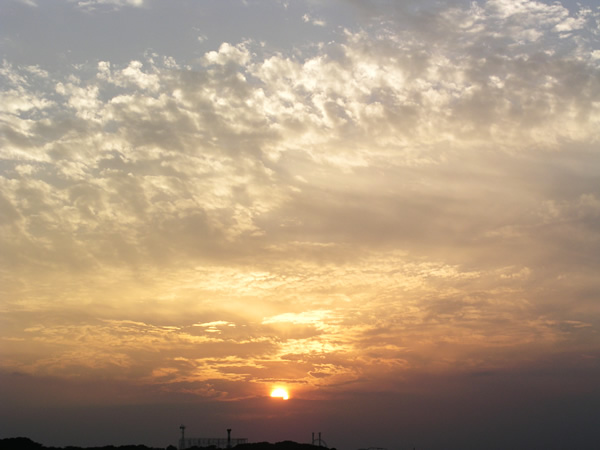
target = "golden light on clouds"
x: 373, y: 199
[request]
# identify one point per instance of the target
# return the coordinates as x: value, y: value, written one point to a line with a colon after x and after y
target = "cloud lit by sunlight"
x: 406, y: 192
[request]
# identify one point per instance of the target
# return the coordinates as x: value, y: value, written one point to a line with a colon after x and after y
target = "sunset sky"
x: 389, y: 208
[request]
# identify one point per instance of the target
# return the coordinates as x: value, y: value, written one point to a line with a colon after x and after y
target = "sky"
x: 389, y: 208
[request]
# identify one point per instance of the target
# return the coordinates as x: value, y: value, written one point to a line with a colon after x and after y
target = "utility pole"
x: 182, y: 440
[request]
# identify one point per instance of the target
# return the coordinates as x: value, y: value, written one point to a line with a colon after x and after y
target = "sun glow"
x: 280, y: 392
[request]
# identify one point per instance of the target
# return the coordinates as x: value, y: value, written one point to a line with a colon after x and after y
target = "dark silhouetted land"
x: 23, y: 443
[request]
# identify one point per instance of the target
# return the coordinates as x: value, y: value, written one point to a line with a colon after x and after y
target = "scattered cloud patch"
x: 419, y: 198
x: 94, y: 4
x: 314, y: 21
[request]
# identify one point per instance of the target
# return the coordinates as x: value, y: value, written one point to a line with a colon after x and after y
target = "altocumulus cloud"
x: 415, y: 198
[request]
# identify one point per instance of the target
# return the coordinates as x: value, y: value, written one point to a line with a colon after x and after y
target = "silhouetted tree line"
x: 283, y: 445
x: 22, y: 443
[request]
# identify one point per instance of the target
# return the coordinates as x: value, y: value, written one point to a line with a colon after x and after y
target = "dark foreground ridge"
x: 23, y: 443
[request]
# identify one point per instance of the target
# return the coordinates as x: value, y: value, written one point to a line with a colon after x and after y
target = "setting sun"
x: 280, y: 392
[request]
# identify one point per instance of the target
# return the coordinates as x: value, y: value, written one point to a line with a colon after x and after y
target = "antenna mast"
x: 182, y: 440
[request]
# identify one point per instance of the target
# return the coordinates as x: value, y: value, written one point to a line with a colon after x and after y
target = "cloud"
x: 132, y: 75
x: 228, y: 53
x: 28, y: 3
x: 316, y: 22
x: 401, y: 199
x: 94, y: 4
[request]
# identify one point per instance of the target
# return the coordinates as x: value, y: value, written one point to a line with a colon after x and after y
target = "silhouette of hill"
x: 19, y: 443
x: 283, y: 445
x: 23, y: 443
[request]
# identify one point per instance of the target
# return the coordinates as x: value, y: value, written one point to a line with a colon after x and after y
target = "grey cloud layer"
x: 410, y: 198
